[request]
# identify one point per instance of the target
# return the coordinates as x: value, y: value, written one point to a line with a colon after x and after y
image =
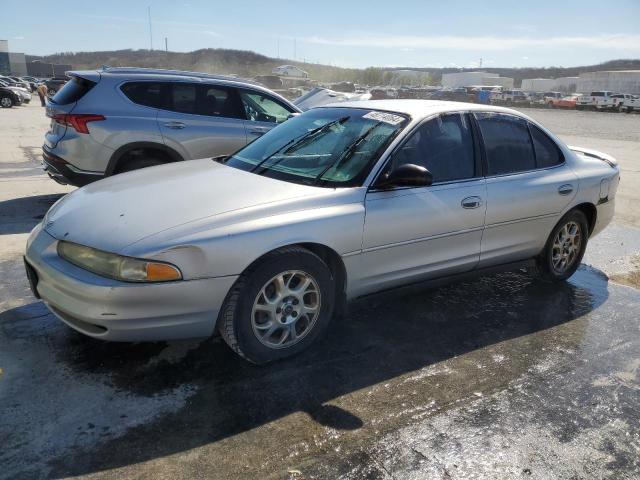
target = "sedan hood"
x: 120, y: 210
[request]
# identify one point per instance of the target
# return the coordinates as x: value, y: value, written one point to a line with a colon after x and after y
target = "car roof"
x: 136, y: 73
x: 422, y: 108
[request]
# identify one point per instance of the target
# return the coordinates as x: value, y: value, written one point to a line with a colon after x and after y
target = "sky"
x: 411, y: 33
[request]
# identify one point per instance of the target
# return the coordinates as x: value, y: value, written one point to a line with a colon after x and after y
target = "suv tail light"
x: 77, y: 121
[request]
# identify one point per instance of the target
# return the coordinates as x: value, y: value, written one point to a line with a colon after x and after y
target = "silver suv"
x: 116, y: 120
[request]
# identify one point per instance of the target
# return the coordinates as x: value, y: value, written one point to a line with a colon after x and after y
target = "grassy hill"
x: 250, y: 64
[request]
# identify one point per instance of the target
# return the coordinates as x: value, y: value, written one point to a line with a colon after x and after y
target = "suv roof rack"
x: 160, y: 71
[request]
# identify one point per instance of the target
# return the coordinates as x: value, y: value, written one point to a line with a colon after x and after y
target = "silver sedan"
x: 265, y: 246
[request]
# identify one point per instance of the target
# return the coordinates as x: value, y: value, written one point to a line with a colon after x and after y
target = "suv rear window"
x: 72, y: 91
x: 149, y: 94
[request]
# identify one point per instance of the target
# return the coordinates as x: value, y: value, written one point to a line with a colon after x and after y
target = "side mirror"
x: 407, y: 175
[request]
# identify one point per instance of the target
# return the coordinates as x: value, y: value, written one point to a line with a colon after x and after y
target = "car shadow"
x: 383, y: 337
x: 20, y: 215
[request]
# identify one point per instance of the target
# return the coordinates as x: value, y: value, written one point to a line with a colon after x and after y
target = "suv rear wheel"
x: 141, y: 158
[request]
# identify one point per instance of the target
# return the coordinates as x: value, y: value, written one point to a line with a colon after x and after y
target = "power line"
x: 150, y: 33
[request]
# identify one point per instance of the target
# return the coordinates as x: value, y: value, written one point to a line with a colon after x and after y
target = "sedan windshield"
x: 329, y: 147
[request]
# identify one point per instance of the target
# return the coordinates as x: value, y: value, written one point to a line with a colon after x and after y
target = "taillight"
x: 77, y: 121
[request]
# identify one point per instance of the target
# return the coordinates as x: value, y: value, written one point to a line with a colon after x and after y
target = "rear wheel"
x: 141, y: 158
x: 279, y: 306
x: 6, y: 102
x: 565, y: 247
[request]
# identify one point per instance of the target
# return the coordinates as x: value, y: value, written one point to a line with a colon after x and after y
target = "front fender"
x: 230, y: 249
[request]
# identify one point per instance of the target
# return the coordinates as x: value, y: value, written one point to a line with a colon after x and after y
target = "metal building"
x: 622, y: 81
x: 465, y: 79
x: 11, y: 63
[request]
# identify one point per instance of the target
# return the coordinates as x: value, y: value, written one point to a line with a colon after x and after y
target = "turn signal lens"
x: 161, y: 272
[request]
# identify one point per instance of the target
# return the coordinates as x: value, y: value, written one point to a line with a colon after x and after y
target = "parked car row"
x: 599, y: 100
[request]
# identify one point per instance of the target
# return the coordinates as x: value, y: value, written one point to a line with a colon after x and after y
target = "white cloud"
x: 481, y: 43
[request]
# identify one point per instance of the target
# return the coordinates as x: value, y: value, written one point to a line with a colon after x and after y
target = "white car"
x: 267, y: 245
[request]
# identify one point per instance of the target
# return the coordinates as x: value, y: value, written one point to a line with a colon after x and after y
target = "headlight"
x: 118, y: 267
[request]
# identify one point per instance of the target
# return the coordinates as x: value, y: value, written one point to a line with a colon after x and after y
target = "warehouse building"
x: 623, y: 81
x: 465, y: 79
x: 11, y: 63
x: 538, y: 84
x: 561, y: 84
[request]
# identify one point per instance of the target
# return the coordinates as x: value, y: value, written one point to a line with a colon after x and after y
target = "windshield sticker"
x: 389, y: 118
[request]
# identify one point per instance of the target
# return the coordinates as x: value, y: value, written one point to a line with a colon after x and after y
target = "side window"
x: 183, y: 97
x: 261, y: 108
x: 217, y: 101
x: 149, y: 94
x: 507, y: 143
x: 547, y: 152
x: 444, y: 146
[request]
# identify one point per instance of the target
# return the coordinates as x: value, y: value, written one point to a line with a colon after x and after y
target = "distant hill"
x: 249, y: 64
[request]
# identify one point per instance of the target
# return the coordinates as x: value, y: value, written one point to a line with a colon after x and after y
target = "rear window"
x: 149, y: 94
x: 597, y: 94
x: 72, y: 91
x: 507, y: 143
x: 547, y: 152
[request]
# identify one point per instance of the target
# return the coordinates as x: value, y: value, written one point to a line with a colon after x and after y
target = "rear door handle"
x: 175, y: 125
x: 565, y: 189
x: 471, y: 202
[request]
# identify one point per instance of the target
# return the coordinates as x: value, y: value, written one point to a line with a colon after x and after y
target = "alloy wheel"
x: 286, y: 309
x: 5, y: 102
x: 566, y: 247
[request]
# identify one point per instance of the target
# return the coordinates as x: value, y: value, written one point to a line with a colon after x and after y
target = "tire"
x: 245, y: 323
x: 138, y: 163
x: 51, y: 92
x: 6, y: 102
x: 549, y: 267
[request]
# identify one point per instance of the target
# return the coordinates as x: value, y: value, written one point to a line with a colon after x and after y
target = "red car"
x: 565, y: 102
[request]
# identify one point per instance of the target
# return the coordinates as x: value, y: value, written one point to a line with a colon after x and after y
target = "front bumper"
x: 120, y: 311
x: 64, y: 173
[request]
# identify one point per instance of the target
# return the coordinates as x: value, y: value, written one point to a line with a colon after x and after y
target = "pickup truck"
x: 632, y: 104
x: 509, y: 97
x: 601, y: 100
x: 622, y: 100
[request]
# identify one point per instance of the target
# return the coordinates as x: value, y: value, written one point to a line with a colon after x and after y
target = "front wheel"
x: 6, y: 102
x: 565, y: 247
x: 279, y: 306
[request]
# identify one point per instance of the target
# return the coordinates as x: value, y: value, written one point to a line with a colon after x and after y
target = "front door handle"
x: 565, y: 189
x: 175, y: 125
x: 471, y: 202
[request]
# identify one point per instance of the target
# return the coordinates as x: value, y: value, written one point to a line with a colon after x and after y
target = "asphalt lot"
x: 500, y: 377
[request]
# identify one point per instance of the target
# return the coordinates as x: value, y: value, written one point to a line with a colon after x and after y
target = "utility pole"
x: 166, y: 45
x: 150, y: 33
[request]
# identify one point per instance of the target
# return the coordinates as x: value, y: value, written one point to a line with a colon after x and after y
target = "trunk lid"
x: 64, y: 102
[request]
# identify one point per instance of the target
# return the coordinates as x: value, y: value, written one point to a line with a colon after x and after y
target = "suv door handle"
x: 565, y: 189
x: 471, y: 202
x: 175, y: 125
